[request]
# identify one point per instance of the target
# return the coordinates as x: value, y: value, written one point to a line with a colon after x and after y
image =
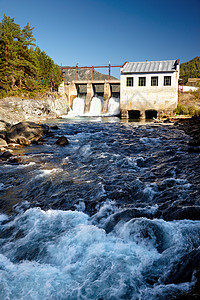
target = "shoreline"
x: 14, y: 109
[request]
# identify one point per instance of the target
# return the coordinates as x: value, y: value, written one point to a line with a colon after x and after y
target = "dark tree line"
x: 23, y: 66
x: 190, y: 69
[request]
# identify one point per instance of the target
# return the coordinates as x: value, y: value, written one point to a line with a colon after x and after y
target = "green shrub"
x: 3, y: 94
x: 182, y: 109
x: 192, y: 110
x: 197, y: 112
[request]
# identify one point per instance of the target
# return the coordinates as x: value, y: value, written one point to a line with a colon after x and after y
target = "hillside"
x: 190, y: 69
x: 85, y: 74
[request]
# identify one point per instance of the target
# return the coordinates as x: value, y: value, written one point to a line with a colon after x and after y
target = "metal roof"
x: 150, y: 66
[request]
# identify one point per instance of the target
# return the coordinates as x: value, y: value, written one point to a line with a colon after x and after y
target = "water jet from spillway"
x: 95, y: 107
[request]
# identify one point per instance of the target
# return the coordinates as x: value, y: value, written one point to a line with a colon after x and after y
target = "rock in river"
x: 62, y: 141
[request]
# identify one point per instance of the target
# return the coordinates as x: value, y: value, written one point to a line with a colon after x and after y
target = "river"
x: 97, y: 219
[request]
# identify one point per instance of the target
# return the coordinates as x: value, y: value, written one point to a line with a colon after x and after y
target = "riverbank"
x: 14, y: 109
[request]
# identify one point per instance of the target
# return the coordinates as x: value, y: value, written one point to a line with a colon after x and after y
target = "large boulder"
x: 182, y: 213
x: 27, y: 130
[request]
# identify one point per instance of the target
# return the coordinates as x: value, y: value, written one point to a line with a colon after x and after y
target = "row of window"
x: 154, y: 81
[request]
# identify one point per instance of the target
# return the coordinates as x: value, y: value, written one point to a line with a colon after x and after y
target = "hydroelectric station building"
x: 149, y: 89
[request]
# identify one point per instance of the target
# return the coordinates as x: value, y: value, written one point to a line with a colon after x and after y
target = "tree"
x: 49, y: 75
x: 190, y: 69
x: 22, y: 66
x: 9, y: 36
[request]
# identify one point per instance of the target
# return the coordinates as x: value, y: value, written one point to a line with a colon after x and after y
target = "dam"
x: 90, y: 88
x: 146, y: 89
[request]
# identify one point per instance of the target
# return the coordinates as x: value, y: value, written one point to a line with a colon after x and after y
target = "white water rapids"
x: 113, y: 215
x: 95, y: 107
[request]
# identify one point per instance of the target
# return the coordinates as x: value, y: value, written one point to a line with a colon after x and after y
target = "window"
x: 167, y: 80
x: 154, y: 81
x: 129, y: 81
x: 142, y: 81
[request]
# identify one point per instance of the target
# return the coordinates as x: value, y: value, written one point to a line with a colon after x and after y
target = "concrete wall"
x: 61, y: 88
x: 186, y: 88
x: 161, y: 98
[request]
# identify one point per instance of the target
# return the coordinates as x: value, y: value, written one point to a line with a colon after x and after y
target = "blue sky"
x: 96, y: 32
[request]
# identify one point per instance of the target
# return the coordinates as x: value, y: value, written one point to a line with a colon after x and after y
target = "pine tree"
x: 9, y: 35
x: 22, y: 66
x: 27, y: 60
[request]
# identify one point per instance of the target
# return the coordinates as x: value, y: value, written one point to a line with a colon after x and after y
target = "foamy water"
x: 63, y: 255
x: 95, y: 107
x: 101, y: 217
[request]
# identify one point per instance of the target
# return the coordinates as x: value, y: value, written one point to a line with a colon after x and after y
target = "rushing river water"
x: 97, y: 219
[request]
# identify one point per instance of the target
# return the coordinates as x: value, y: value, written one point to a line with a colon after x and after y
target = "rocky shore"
x: 14, y: 110
x: 23, y: 134
x: 17, y: 117
x: 191, y: 127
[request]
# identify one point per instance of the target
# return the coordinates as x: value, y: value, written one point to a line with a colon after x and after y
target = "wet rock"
x: 124, y: 215
x: 3, y: 143
x: 15, y: 160
x: 23, y: 141
x: 185, y: 269
x: 182, y: 213
x: 5, y: 155
x: 62, y: 141
x: 194, y: 142
x: 3, y: 135
x: 4, y: 125
x: 28, y: 130
x: 45, y: 128
x: 192, y: 128
x: 195, y: 149
x: 54, y: 127
x: 176, y: 123
x: 38, y: 142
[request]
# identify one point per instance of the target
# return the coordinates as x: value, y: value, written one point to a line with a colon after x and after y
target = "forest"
x: 190, y: 69
x: 24, y: 69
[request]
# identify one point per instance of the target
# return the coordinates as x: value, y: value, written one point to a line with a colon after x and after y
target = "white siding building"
x: 149, y: 89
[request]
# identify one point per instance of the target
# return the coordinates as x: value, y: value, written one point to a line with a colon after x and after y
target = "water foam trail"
x: 62, y: 255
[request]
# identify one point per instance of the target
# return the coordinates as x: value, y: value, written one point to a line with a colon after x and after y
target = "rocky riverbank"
x: 191, y: 126
x: 22, y: 134
x: 14, y: 110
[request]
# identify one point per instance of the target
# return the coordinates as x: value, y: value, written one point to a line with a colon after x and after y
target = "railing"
x: 76, y: 68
